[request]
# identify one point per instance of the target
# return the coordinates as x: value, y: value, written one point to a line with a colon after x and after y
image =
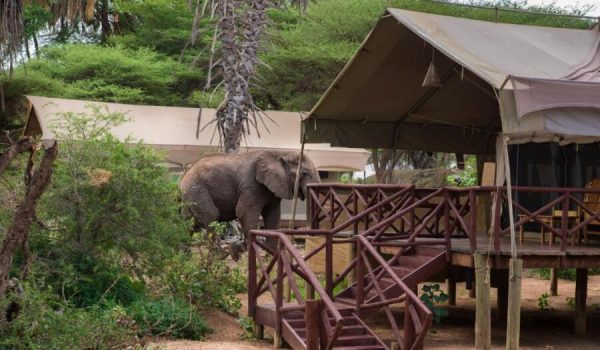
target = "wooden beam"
x: 513, y: 324
x: 312, y: 315
x: 553, y: 282
x: 483, y: 325
x: 581, y: 281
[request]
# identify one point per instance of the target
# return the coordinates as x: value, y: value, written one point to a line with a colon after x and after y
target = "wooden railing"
x: 417, y: 317
x: 286, y: 263
x: 393, y: 212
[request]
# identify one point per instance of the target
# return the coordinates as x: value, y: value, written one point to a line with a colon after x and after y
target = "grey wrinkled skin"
x: 223, y: 187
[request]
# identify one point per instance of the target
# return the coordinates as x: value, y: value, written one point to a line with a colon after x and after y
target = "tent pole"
x: 292, y: 222
x: 516, y: 266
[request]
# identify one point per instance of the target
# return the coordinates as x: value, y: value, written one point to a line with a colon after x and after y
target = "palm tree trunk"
x: 241, y: 25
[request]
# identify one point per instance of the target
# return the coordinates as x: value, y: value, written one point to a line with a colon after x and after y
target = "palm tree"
x: 241, y: 25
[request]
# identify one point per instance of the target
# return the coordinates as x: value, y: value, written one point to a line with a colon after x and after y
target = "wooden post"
x: 259, y: 331
x: 353, y: 253
x: 451, y: 291
x: 312, y: 316
x: 409, y: 327
x: 513, y: 325
x: 251, y: 277
x: 502, y: 301
x: 554, y: 282
x: 483, y: 324
x: 581, y: 281
x: 329, y: 265
x: 277, y: 336
x: 360, y: 277
x: 310, y: 290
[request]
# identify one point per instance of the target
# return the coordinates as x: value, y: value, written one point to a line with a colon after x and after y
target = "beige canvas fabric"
x: 378, y: 99
x: 185, y: 134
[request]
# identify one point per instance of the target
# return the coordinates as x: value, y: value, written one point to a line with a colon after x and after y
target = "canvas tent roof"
x: 378, y: 99
x: 174, y: 129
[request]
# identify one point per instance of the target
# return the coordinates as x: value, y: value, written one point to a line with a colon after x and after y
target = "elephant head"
x: 277, y: 171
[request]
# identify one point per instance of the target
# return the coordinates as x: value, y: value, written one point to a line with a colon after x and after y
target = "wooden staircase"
x: 340, y: 318
x: 416, y: 265
x: 354, y: 335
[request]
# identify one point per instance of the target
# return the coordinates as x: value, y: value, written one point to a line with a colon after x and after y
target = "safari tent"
x: 443, y: 84
x: 185, y: 134
x: 538, y: 86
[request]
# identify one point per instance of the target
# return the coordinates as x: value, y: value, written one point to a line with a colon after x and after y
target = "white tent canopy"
x: 185, y: 134
x: 378, y: 99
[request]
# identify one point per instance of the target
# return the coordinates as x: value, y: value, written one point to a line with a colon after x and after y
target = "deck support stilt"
x: 259, y: 331
x: 581, y: 282
x: 553, y: 282
x: 451, y: 291
x: 483, y: 324
x: 513, y: 323
x: 277, y: 341
x: 502, y: 301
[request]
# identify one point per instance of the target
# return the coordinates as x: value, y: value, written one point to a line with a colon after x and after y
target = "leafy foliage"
x: 205, y: 279
x: 167, y: 316
x: 111, y: 247
x: 432, y: 296
x: 110, y: 74
x: 543, y: 302
x: 47, y: 322
x: 466, y: 177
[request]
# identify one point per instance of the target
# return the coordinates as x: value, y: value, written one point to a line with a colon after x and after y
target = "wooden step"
x: 360, y: 347
x: 402, y: 271
x: 347, y: 321
x: 363, y: 339
x: 357, y: 329
x: 412, y: 261
x: 430, y: 251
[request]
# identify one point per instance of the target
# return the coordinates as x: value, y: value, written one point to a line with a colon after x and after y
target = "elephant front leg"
x: 271, y: 215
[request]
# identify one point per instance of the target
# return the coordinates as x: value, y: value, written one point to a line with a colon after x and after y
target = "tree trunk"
x: 17, y: 233
x: 241, y: 25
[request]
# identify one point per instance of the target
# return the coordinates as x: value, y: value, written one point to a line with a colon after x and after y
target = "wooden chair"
x: 544, y: 218
x: 573, y: 218
x: 592, y: 203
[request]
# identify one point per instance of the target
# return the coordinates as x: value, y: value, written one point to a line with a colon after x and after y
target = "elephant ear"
x: 271, y: 172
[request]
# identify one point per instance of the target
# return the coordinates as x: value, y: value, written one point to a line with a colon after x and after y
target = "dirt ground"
x: 540, y: 329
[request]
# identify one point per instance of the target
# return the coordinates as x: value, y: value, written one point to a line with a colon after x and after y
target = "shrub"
x: 167, y: 316
x: 543, y: 302
x: 110, y: 74
x: 44, y: 321
x: 205, y: 279
x: 432, y: 296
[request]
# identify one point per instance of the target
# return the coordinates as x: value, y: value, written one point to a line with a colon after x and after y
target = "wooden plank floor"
x: 531, y: 246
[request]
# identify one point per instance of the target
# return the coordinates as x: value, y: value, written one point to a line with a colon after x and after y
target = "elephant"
x: 225, y: 187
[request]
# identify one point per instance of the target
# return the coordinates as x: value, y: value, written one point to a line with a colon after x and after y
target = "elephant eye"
x: 304, y: 172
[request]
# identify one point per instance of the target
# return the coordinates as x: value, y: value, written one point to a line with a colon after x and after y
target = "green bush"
x: 168, y: 317
x: 47, y: 322
x: 110, y: 74
x: 205, y: 279
x: 111, y: 246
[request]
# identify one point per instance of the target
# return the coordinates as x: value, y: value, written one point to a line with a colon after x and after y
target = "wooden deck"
x: 534, y: 254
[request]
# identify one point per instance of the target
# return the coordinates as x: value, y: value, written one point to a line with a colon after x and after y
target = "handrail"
x: 309, y: 276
